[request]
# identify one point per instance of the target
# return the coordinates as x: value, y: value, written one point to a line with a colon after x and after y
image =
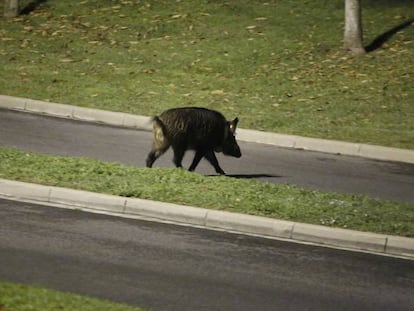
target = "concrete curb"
x: 210, y: 219
x: 143, y: 123
x: 75, y: 112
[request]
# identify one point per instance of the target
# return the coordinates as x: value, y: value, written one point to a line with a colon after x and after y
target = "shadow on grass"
x: 31, y: 6
x: 381, y: 39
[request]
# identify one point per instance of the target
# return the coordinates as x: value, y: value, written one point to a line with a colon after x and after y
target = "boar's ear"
x: 233, y: 125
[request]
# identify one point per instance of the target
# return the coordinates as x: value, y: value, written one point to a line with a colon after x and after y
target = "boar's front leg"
x: 197, y: 157
x: 211, y: 157
x: 179, y: 152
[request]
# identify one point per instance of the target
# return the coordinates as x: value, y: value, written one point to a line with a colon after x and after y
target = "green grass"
x: 224, y: 193
x: 16, y: 297
x: 278, y: 65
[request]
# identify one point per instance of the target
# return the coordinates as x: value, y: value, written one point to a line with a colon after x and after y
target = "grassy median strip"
x: 17, y: 297
x: 278, y: 65
x: 237, y: 195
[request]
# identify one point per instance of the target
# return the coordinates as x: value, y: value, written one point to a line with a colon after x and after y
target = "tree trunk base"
x: 355, y: 51
x: 11, y: 8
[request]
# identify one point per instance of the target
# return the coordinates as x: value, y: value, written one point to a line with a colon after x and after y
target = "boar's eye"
x: 233, y: 125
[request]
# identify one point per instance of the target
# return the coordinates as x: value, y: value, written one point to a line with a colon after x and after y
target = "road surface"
x: 168, y: 267
x: 312, y: 170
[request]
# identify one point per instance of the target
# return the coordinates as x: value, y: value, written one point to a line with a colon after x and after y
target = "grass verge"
x: 16, y: 297
x: 278, y: 65
x: 179, y: 186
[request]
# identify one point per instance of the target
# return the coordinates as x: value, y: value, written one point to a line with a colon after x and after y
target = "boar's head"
x: 230, y: 146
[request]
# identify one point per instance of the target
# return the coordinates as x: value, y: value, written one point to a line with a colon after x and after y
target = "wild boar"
x: 203, y: 130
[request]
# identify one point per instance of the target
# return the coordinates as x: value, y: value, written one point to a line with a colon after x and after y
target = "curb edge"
x: 209, y: 219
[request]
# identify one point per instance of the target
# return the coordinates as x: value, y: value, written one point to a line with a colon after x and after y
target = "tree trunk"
x: 353, y: 28
x: 11, y: 8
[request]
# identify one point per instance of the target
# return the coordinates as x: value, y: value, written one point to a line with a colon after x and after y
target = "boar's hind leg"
x: 178, y: 155
x: 211, y: 157
x: 153, y: 155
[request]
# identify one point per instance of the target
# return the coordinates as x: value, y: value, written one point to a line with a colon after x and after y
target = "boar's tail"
x: 160, y: 132
x: 158, y: 125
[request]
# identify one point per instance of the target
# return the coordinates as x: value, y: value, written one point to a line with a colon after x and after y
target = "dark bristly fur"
x: 203, y: 130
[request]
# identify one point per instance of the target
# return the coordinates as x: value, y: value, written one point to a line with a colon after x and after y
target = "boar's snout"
x: 232, y: 150
x: 237, y: 152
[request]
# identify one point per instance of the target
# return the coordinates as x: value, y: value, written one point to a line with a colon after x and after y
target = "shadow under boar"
x: 203, y: 130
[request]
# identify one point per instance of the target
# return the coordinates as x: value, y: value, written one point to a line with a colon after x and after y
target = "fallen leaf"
x: 67, y: 60
x: 218, y: 92
x: 149, y: 70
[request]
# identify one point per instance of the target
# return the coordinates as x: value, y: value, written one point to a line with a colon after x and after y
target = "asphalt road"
x: 168, y: 267
x: 313, y: 170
